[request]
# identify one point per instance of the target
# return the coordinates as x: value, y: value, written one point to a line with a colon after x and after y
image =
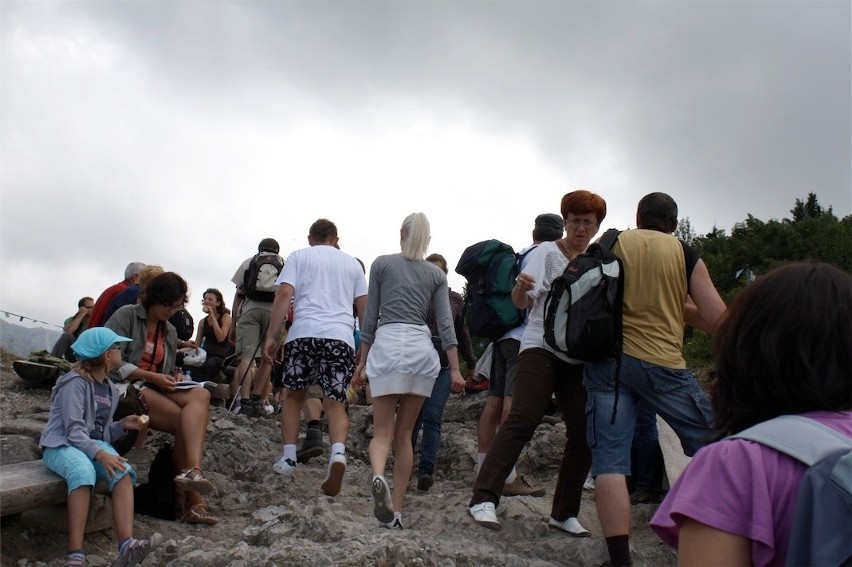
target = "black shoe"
x: 424, y: 482
x: 251, y: 408
x: 311, y: 446
x: 644, y: 496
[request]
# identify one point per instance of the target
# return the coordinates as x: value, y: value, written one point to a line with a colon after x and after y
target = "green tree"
x: 813, y: 233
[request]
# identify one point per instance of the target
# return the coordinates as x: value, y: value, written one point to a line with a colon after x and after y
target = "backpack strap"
x: 607, y: 241
x: 609, y: 238
x: 800, y: 437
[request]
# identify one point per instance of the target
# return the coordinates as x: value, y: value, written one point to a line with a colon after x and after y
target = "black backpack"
x: 184, y: 324
x: 490, y: 268
x: 157, y: 496
x: 582, y: 311
x: 822, y: 531
x: 260, y: 276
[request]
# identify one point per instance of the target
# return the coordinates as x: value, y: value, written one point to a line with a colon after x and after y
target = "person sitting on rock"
x: 149, y: 363
x: 72, y: 328
x: 76, y: 444
x: 213, y: 333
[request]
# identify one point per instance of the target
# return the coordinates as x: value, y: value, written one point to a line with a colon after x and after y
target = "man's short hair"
x: 133, y: 269
x: 322, y: 230
x: 83, y: 301
x: 268, y: 245
x: 657, y: 211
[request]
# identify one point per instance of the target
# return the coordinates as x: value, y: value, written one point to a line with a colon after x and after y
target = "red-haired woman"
x: 542, y: 373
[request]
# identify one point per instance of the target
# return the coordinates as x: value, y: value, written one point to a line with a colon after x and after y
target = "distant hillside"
x: 21, y: 341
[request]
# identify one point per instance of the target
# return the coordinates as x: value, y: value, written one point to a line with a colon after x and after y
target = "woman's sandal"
x: 193, y: 479
x: 199, y: 514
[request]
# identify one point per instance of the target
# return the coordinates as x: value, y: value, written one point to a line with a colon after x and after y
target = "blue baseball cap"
x: 94, y: 342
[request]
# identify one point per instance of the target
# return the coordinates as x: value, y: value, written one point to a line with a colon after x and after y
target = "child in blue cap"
x: 76, y: 444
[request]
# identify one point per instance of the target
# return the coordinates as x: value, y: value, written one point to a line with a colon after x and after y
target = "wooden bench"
x: 28, y: 485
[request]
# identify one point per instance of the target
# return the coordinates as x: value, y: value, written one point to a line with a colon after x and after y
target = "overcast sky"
x: 183, y: 132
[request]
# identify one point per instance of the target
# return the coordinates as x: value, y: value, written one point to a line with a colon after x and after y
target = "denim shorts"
x: 673, y: 393
x: 78, y: 469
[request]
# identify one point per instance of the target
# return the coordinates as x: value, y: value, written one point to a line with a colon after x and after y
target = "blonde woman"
x: 399, y: 359
x: 76, y: 444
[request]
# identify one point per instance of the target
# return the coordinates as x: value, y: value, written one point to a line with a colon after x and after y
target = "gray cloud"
x: 146, y: 130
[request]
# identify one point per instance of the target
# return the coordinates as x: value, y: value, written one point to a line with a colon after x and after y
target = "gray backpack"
x: 822, y: 521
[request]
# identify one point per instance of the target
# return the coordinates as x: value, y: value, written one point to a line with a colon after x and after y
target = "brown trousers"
x: 540, y: 376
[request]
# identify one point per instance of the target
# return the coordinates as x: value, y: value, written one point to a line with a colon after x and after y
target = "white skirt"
x: 402, y: 360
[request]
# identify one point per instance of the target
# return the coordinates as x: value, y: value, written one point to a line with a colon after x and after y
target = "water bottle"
x: 351, y: 394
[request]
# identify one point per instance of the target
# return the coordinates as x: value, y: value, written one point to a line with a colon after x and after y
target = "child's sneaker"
x: 133, y: 551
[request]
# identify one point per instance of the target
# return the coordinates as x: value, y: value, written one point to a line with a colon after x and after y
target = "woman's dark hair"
x: 220, y: 309
x: 784, y: 347
x: 439, y: 260
x: 166, y: 289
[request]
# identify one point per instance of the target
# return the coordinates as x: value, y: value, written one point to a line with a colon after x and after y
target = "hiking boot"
x: 520, y: 487
x: 382, y: 505
x: 485, y: 514
x: 251, y: 408
x: 232, y: 404
x: 644, y: 496
x: 570, y: 526
x: 311, y: 446
x: 395, y: 524
x: 334, y: 476
x: 285, y: 467
x: 424, y: 482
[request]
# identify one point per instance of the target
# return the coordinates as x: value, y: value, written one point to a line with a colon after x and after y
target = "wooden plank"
x: 673, y: 456
x: 31, y: 484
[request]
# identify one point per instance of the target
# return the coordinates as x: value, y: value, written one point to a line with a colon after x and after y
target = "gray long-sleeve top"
x: 402, y: 290
x: 72, y: 415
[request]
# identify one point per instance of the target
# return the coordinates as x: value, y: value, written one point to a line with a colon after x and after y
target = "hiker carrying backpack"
x: 490, y: 268
x: 260, y: 276
x: 822, y: 521
x: 582, y: 311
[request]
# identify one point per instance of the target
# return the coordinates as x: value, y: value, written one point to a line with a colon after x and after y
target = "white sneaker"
x: 485, y: 514
x: 570, y: 526
x: 589, y: 484
x: 382, y: 505
x: 396, y: 523
x: 334, y: 477
x: 285, y: 467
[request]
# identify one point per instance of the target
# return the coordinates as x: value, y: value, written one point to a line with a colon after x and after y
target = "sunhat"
x: 94, y: 342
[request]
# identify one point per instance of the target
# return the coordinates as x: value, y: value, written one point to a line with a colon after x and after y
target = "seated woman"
x: 149, y: 363
x: 783, y: 350
x: 213, y: 332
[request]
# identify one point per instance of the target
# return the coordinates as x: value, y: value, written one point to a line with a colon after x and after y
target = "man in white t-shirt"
x: 323, y: 282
